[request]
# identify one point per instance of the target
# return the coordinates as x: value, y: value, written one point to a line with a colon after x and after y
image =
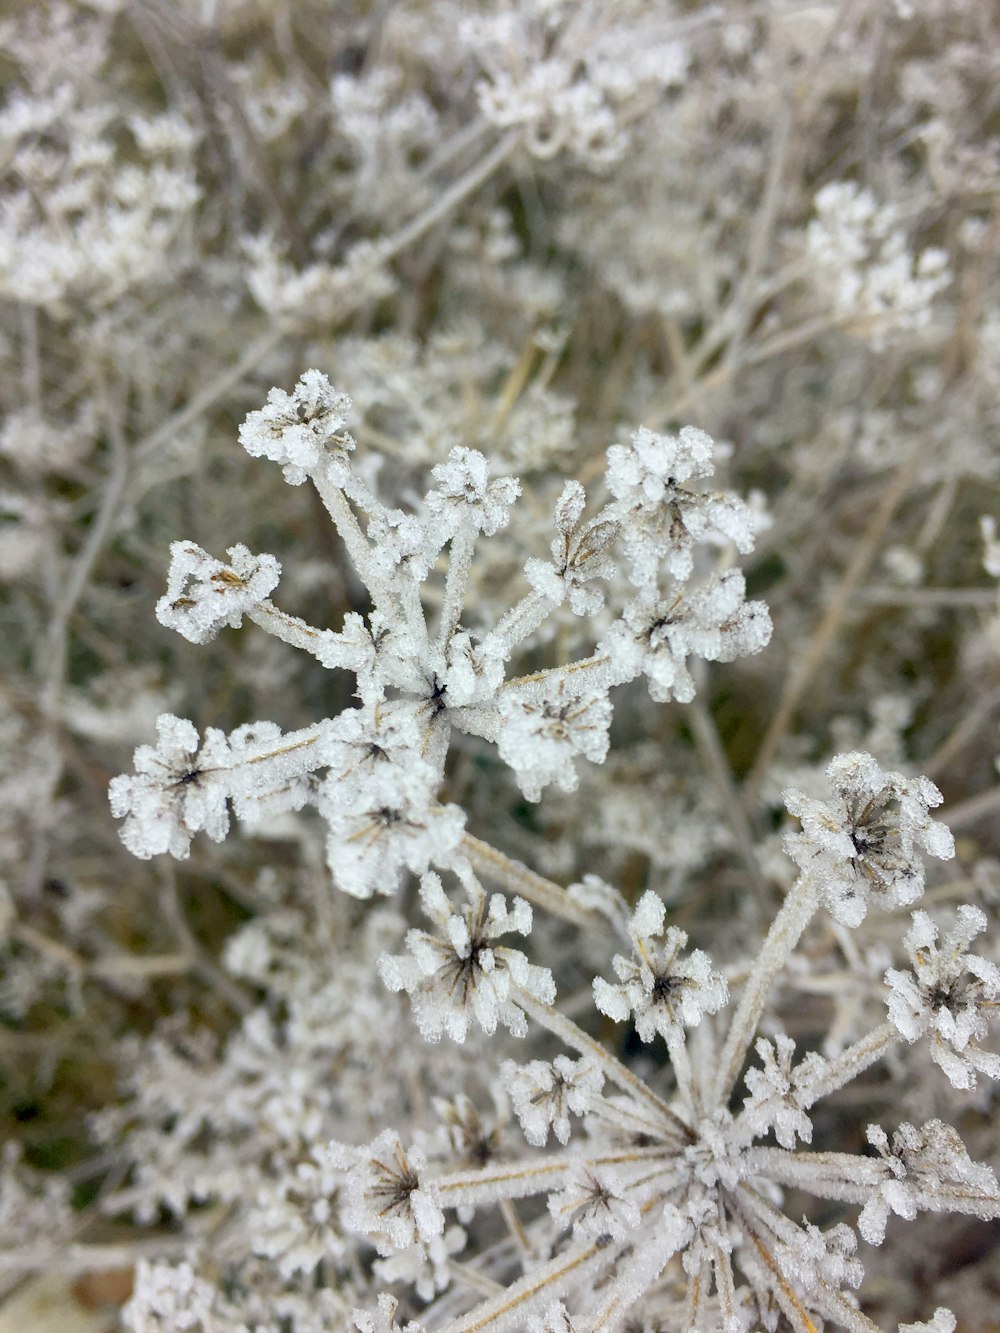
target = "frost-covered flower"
x: 203, y: 593
x: 950, y: 993
x: 180, y: 787
x: 655, y: 637
x: 300, y: 428
x: 925, y: 1168
x: 773, y: 1102
x: 295, y: 1219
x: 660, y: 518
x: 385, y: 824
x: 543, y: 730
x: 579, y: 555
x: 661, y: 989
x: 464, y: 497
x: 943, y: 1321
x: 865, y: 846
x: 461, y: 975
x: 596, y: 1204
x: 167, y: 1298
x: 387, y: 1199
x: 545, y: 1094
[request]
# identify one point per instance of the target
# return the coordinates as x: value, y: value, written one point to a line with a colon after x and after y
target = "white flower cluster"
x: 949, y: 994
x: 374, y: 774
x: 462, y: 974
x: 859, y: 254
x: 864, y: 847
x: 660, y: 988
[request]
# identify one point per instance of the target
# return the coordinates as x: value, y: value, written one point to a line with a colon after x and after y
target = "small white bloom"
x: 925, y: 1168
x: 460, y: 975
x: 864, y: 846
x: 949, y: 993
x: 656, y: 637
x: 387, y: 1199
x: 773, y: 1101
x: 203, y: 593
x: 542, y: 732
x: 385, y: 824
x: 943, y: 1321
x: 596, y: 1204
x: 660, y: 518
x: 660, y: 989
x: 179, y: 788
x: 465, y: 498
x: 544, y: 1095
x: 385, y: 1320
x: 579, y: 555
x: 300, y: 428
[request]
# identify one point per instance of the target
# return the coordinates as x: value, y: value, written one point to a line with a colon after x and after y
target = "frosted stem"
x: 846, y: 1067
x: 519, y: 623
x: 459, y: 564
x: 614, y: 1071
x: 785, y: 932
x: 545, y: 1283
x: 355, y: 542
x: 518, y: 879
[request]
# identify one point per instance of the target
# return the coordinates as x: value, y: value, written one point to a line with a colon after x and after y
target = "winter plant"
x: 552, y: 888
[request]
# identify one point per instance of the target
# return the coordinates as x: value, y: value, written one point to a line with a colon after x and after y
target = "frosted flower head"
x: 596, y: 1204
x: 385, y: 1320
x: 865, y: 846
x: 168, y: 1297
x: 656, y: 637
x: 386, y: 824
x: 180, y: 787
x: 660, y: 988
x: 949, y: 993
x: 544, y: 1095
x: 203, y: 593
x: 300, y: 428
x: 660, y: 518
x: 543, y: 731
x: 925, y: 1168
x: 464, y: 497
x: 773, y: 1102
x: 461, y: 975
x: 579, y: 555
x: 295, y: 1220
x: 387, y: 1199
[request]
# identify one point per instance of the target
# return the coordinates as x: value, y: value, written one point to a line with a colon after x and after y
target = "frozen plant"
x: 426, y: 664
x: 664, y: 1208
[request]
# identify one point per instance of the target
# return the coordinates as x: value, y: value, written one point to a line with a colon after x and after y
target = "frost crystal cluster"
x: 500, y: 670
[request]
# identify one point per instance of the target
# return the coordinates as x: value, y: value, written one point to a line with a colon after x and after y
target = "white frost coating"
x: 460, y: 975
x: 204, y: 594
x: 300, y: 428
x: 949, y: 994
x: 662, y: 990
x: 179, y: 788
